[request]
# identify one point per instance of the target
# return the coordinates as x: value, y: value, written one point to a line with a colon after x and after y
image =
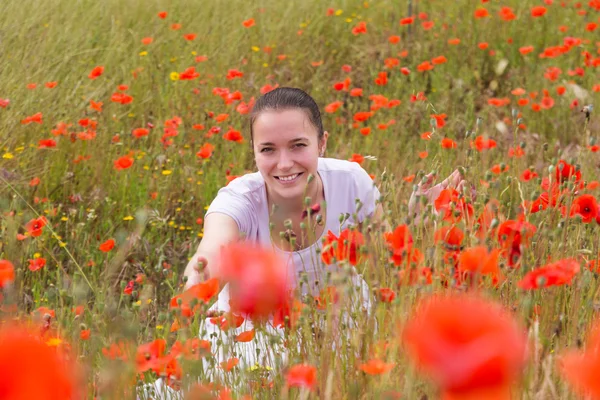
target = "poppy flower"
x: 555, y: 274
x: 37, y: 118
x: 538, y: 11
x: 481, y: 13
x: 333, y: 107
x: 407, y: 20
x: 257, y: 279
x: 566, y: 171
x: 448, y: 143
x: 162, y: 15
x: 140, y: 132
x: 302, y: 376
x: 586, y: 206
x: 360, y: 28
x: 513, y: 235
x: 190, y: 36
x: 35, y: 226
x: 581, y: 367
x: 478, y: 260
x: 107, y: 246
x: 151, y: 356
x: 233, y: 136
x: 205, y: 151
x: 203, y: 291
x: 246, y: 336
x: 452, y: 205
x: 229, y: 364
x: 386, y: 295
x: 123, y: 163
x: 37, y: 264
x: 4, y: 103
x: 189, y: 74
x: 249, y: 23
x: 376, y: 367
x: 23, y: 355
x: 451, y: 236
x: 346, y: 248
x: 482, y: 143
x: 467, y: 345
x: 7, y: 273
x: 425, y: 66
x: 96, y: 72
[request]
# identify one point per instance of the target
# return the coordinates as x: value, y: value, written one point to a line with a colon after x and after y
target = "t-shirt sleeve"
x: 367, y: 192
x: 234, y: 204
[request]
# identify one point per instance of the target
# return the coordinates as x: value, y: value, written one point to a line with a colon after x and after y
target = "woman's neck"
x: 295, y: 207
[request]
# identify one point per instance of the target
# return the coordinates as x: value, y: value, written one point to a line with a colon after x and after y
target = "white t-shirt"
x: 245, y: 200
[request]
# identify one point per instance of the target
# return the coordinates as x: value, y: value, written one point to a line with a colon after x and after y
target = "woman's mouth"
x: 288, y: 179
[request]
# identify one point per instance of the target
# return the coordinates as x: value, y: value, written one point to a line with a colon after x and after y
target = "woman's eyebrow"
x: 300, y: 139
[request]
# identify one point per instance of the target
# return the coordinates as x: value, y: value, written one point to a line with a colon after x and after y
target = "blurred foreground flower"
x: 31, y: 369
x: 470, y: 347
x: 581, y: 368
x: 257, y: 279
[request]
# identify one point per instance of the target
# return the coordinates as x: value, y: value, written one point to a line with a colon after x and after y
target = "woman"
x: 266, y: 207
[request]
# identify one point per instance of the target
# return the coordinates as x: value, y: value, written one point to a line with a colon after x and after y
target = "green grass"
x: 88, y: 202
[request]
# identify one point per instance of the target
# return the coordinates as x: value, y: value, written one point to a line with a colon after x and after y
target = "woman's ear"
x: 323, y: 144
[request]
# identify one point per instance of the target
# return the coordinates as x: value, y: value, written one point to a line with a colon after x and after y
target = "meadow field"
x: 120, y: 121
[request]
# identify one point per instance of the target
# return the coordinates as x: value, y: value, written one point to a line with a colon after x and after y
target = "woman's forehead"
x: 282, y: 125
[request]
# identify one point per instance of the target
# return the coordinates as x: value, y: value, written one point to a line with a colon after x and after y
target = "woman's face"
x: 286, y: 150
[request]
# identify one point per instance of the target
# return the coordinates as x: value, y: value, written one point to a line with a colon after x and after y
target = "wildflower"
x: 554, y: 274
x: 162, y: 15
x: 376, y: 367
x: 257, y: 279
x: 581, y: 367
x: 333, y: 107
x: 301, y: 375
x: 249, y: 23
x: 481, y: 13
x: 96, y: 72
x: 190, y: 37
x: 35, y: 226
x: 233, y: 136
x: 205, y: 151
x: 23, y: 355
x: 448, y: 143
x: 360, y: 28
x: 538, y: 11
x: 346, y: 247
x: 37, y: 118
x: 513, y: 235
x: 123, y: 163
x: 483, y: 143
x: 37, y: 264
x: 107, y: 245
x: 140, y: 132
x: 586, y: 206
x: 203, y: 291
x: 386, y: 295
x: 7, y: 273
x: 485, y: 338
x: 246, y: 336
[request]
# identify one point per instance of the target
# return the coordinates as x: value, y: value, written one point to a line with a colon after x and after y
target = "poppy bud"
x: 302, y: 225
x: 522, y: 145
x: 514, y: 112
x: 519, y: 121
x: 478, y: 121
x: 545, y: 146
x: 494, y: 223
x: 288, y: 223
x: 310, y: 178
x: 319, y: 220
x: 307, y: 201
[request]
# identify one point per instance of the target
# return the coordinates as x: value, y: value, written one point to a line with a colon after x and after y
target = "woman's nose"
x: 285, y: 161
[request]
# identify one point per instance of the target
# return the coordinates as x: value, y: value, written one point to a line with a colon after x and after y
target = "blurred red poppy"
x: 467, y: 345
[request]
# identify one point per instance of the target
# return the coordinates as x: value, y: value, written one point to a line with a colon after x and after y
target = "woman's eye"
x: 300, y: 145
x: 266, y: 150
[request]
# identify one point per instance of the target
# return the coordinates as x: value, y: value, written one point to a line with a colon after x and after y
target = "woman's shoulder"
x: 245, y: 185
x: 342, y: 169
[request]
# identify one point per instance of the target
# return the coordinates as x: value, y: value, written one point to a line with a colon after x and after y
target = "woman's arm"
x: 219, y: 230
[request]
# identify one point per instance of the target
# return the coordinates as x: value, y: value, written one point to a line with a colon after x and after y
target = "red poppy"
x: 481, y: 13
x: 7, y: 273
x: 23, y: 355
x: 257, y: 279
x: 233, y: 136
x: 107, y: 246
x: 36, y: 225
x: 37, y: 118
x: 555, y: 274
x: 346, y: 247
x: 333, y: 107
x: 140, y: 132
x: 452, y: 205
x: 478, y: 260
x: 376, y: 367
x: 513, y: 235
x: 37, y: 264
x: 191, y: 349
x: 246, y: 336
x: 451, y: 236
x: 538, y: 11
x: 582, y: 367
x: 96, y: 72
x: 566, y: 171
x: 448, y: 143
x: 189, y: 74
x: 469, y: 346
x: 162, y: 15
x: 483, y: 143
x: 203, y: 291
x: 386, y: 295
x: 123, y: 163
x: 205, y: 151
x: 586, y: 206
x: 301, y: 375
x: 249, y: 23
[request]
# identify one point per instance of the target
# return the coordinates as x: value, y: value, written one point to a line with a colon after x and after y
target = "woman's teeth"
x: 288, y: 178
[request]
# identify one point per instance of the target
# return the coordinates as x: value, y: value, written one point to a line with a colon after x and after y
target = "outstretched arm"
x: 219, y: 230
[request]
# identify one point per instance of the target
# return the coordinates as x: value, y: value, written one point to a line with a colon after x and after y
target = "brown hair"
x: 285, y: 98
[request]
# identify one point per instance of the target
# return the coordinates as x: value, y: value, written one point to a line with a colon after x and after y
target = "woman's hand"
x: 431, y: 193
